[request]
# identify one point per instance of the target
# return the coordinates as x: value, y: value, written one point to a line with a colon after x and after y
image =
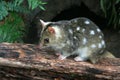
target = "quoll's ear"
x: 51, y: 30
x: 44, y: 24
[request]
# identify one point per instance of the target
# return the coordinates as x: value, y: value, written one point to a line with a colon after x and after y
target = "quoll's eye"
x: 46, y: 40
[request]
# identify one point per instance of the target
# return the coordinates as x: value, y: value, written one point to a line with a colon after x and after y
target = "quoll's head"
x: 50, y: 34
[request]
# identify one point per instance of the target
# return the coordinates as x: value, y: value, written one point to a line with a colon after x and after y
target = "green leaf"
x: 36, y: 3
x: 18, y: 2
x: 43, y: 3
x: 117, y: 1
x: 103, y: 6
x: 30, y: 3
x: 111, y: 11
x: 3, y: 10
x: 41, y: 7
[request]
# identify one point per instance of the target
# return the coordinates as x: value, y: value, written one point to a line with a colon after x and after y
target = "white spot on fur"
x: 100, y: 37
x: 78, y: 28
x: 98, y: 30
x: 87, y: 22
x: 103, y: 42
x: 92, y: 32
x: 99, y: 45
x: 70, y: 31
x: 75, y: 37
x: 93, y: 46
x: 57, y: 32
x: 84, y: 40
x: 68, y: 42
x: 83, y: 30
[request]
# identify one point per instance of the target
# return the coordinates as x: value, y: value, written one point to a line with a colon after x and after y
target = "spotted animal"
x: 79, y: 36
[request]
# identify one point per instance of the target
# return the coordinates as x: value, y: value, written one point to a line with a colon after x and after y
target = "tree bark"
x: 27, y: 62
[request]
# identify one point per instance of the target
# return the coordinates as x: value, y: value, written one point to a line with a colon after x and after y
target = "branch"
x: 43, y: 65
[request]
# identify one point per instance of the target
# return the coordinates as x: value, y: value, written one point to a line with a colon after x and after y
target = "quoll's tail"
x: 106, y: 54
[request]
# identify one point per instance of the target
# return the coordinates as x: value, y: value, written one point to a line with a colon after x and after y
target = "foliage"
x: 17, y: 6
x: 12, y: 29
x: 111, y: 9
x: 36, y: 3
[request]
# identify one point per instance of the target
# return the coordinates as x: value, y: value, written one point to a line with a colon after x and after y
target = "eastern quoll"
x: 79, y: 36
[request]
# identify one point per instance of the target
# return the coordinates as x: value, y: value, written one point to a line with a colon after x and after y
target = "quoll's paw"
x: 78, y: 58
x: 61, y: 57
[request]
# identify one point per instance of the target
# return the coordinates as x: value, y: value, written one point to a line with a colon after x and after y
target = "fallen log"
x: 27, y: 62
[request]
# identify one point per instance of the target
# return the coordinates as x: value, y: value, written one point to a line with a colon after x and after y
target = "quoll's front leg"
x: 60, y: 56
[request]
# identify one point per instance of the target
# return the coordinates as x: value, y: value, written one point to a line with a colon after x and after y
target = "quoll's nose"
x: 46, y: 40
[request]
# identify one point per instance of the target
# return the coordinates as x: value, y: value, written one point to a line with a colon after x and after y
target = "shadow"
x: 80, y: 11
